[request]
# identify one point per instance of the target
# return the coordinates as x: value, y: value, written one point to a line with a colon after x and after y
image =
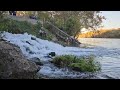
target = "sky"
x: 112, y: 19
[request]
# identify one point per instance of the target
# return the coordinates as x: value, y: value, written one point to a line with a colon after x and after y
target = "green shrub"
x: 86, y: 65
x: 16, y: 27
x: 63, y: 61
x: 49, y: 37
x: 83, y: 64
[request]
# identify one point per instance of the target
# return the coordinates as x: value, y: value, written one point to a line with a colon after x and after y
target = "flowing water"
x: 110, y: 57
x: 107, y: 52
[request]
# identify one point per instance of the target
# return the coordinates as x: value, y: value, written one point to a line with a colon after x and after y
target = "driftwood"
x: 62, y: 35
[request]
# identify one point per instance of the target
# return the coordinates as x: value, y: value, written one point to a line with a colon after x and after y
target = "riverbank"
x: 31, y: 26
x: 101, y: 34
x: 37, y: 50
x: 13, y: 64
x: 33, y: 47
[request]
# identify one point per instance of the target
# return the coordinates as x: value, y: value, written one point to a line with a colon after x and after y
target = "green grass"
x: 17, y: 27
x: 82, y: 64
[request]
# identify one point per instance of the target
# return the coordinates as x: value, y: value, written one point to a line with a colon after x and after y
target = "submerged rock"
x: 29, y: 43
x: 13, y: 65
x: 37, y: 61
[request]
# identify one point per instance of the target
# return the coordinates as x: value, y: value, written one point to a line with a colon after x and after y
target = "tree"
x: 72, y: 26
x: 73, y: 21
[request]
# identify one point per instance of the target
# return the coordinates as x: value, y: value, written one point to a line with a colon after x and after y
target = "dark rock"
x: 37, y: 61
x: 29, y: 43
x: 52, y: 54
x: 28, y: 50
x: 13, y: 65
x: 31, y: 52
x: 1, y: 39
x: 32, y: 38
x: 38, y: 67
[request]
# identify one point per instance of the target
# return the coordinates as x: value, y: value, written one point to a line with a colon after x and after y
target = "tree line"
x: 70, y: 22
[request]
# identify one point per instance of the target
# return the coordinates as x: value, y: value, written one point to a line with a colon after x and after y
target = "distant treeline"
x: 101, y: 34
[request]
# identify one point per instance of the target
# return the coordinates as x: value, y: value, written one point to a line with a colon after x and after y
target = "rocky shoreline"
x: 13, y: 64
x: 30, y: 59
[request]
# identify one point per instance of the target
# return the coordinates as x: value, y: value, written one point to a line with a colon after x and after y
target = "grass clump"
x: 83, y: 64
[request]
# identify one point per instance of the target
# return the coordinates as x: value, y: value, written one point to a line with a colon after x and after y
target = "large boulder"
x: 13, y: 65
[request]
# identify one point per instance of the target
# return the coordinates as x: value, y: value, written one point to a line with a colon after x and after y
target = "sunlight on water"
x: 107, y: 43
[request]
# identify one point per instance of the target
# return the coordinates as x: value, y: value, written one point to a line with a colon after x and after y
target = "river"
x: 110, y: 57
x: 106, y: 51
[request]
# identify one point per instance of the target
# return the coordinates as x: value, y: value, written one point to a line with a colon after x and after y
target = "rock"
x: 2, y: 39
x: 37, y: 61
x: 32, y: 38
x: 29, y: 43
x: 52, y: 54
x: 28, y: 50
x: 13, y: 65
x: 38, y: 67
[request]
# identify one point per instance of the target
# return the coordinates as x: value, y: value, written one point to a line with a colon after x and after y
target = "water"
x: 110, y: 57
x: 107, y: 52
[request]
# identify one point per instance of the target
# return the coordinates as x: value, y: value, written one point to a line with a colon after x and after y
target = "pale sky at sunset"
x: 112, y: 19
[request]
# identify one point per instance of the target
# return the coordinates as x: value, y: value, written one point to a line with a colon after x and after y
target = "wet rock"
x: 52, y: 54
x: 29, y: 43
x: 13, y: 65
x: 39, y: 67
x: 31, y: 52
x: 28, y: 50
x: 32, y: 38
x: 2, y: 39
x: 37, y: 61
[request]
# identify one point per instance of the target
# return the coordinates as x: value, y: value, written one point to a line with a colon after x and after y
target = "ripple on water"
x: 110, y: 67
x: 51, y: 71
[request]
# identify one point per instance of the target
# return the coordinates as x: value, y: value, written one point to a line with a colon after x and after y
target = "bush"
x: 83, y: 64
x: 63, y: 61
x: 16, y: 27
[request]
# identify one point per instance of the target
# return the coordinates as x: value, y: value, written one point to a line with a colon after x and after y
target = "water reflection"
x: 107, y: 43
